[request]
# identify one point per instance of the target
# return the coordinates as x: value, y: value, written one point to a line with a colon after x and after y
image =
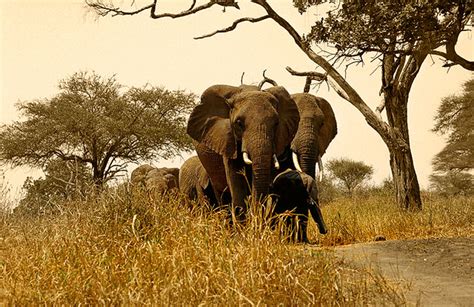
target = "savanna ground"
x: 128, y: 247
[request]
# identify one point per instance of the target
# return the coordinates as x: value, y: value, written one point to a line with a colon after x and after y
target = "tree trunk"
x: 407, y: 189
x: 97, y: 176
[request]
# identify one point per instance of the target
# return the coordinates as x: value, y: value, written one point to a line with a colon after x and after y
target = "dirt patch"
x: 437, y: 272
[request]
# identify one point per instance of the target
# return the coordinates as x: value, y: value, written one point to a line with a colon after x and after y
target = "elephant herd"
x: 253, y: 143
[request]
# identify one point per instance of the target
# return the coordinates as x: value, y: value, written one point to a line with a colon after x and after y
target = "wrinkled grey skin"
x: 316, y: 129
x: 232, y: 120
x: 158, y: 180
x: 195, y: 183
x: 296, y: 193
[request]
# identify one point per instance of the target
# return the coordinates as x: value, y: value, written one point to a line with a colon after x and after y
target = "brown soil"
x: 437, y: 272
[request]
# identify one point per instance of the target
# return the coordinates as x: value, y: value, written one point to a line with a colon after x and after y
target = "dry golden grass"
x: 128, y: 248
x: 361, y: 219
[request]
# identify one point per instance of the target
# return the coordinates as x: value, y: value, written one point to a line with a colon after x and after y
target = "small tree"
x: 64, y: 180
x: 92, y: 120
x: 455, y: 120
x: 350, y: 173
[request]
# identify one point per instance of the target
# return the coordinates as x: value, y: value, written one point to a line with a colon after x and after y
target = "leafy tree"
x: 64, y: 180
x: 400, y: 34
x: 351, y: 174
x: 92, y: 120
x: 455, y: 120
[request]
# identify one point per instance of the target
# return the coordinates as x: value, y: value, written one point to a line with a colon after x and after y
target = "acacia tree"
x: 455, y: 120
x: 350, y: 173
x: 94, y: 121
x: 400, y: 34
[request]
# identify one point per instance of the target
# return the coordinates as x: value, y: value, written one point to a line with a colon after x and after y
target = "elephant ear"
x: 209, y: 121
x: 328, y: 129
x: 288, y: 115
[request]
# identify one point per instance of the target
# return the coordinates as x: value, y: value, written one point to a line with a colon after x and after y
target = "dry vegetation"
x: 129, y: 248
x: 352, y: 220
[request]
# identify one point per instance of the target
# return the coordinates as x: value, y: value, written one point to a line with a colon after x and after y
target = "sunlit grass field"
x: 129, y: 247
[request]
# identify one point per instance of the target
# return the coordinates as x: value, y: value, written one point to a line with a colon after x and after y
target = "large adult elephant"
x: 317, y: 128
x: 242, y: 126
x: 194, y: 182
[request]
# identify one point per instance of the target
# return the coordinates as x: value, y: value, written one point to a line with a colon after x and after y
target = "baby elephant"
x: 296, y: 193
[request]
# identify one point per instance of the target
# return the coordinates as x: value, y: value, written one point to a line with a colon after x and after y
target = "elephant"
x: 316, y: 129
x: 296, y: 193
x: 158, y: 180
x: 194, y: 182
x: 239, y: 133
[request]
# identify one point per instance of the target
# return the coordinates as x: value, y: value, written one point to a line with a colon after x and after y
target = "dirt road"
x: 438, y: 272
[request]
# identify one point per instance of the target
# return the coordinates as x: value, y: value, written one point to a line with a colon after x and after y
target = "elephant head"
x: 316, y: 129
x: 244, y: 125
x: 159, y: 180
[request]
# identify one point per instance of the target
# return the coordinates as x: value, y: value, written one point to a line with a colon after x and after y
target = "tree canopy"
x: 351, y: 174
x: 455, y: 120
x: 397, y: 34
x: 393, y: 27
x: 96, y: 121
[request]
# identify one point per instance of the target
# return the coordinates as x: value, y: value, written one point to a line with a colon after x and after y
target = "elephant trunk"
x: 261, y: 173
x: 261, y: 156
x: 308, y: 156
x: 305, y: 144
x: 308, y: 163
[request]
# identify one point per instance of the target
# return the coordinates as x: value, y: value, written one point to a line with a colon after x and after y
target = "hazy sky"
x: 44, y: 41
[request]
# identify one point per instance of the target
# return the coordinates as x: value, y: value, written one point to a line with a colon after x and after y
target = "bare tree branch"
x: 453, y: 58
x: 310, y: 76
x: 234, y: 25
x: 103, y: 10
x: 266, y: 80
x: 317, y: 76
x: 190, y: 11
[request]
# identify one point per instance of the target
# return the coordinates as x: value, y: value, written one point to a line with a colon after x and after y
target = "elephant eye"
x: 239, y: 123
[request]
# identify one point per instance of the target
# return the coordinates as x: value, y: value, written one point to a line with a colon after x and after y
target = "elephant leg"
x: 215, y: 169
x: 238, y: 186
x: 299, y: 228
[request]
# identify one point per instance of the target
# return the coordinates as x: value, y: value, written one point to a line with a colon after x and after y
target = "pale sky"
x: 44, y: 41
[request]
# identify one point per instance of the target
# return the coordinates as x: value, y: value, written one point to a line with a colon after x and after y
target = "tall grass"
x: 129, y: 247
x: 360, y: 219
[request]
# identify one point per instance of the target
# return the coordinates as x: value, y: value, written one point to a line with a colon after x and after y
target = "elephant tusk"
x: 246, y: 158
x: 275, y: 161
x: 296, y: 163
x: 320, y: 168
